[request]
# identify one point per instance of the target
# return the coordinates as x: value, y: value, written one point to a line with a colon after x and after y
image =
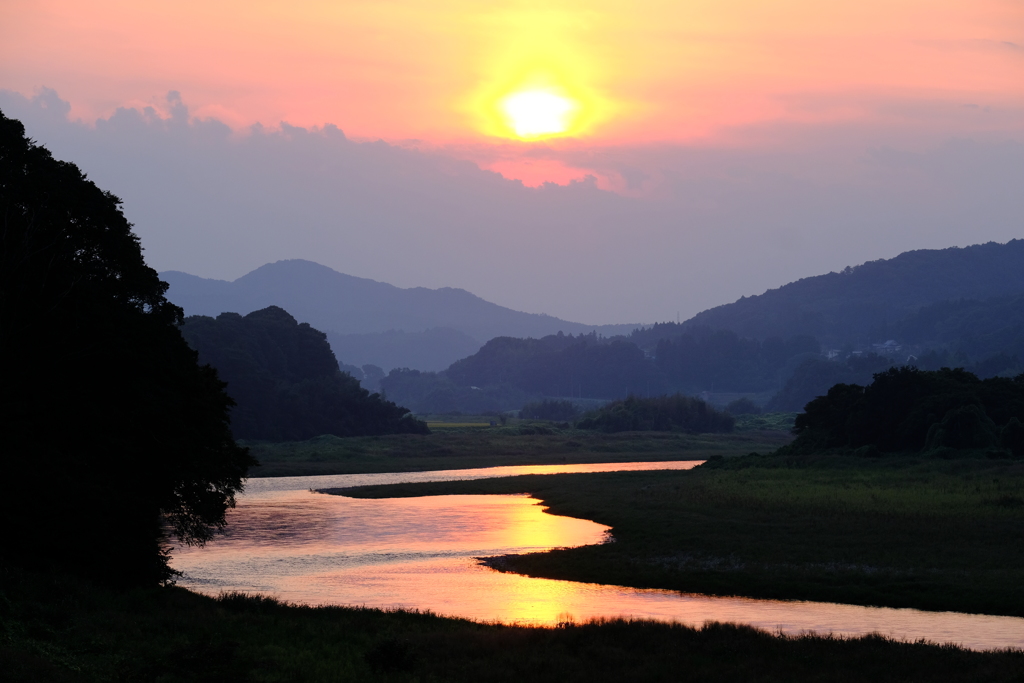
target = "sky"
x: 602, y: 162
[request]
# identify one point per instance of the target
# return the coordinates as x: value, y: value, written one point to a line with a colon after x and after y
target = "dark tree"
x: 113, y: 433
x: 676, y: 413
x: 906, y: 410
x: 287, y: 381
x: 814, y: 376
x: 560, y: 365
x: 743, y: 406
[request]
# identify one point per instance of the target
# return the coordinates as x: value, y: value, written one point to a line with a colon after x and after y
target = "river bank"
x: 59, y: 629
x: 461, y: 447
x: 895, y: 532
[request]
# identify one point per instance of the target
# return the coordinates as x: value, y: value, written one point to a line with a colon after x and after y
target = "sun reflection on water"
x: 421, y: 553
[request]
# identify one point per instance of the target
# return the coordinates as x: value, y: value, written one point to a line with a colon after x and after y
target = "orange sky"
x: 640, y: 72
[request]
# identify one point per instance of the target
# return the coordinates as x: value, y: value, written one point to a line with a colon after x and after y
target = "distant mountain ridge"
x: 341, y: 305
x: 859, y: 303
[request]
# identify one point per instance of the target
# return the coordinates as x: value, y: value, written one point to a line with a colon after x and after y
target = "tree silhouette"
x: 114, y: 434
x: 906, y: 410
x: 286, y: 379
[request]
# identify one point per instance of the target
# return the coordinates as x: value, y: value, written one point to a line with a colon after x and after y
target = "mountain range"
x: 370, y: 322
x: 957, y: 306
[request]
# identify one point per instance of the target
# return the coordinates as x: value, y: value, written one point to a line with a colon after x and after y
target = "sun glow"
x: 538, y: 106
x: 538, y: 113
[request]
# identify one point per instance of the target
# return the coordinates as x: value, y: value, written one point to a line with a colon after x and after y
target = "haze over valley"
x: 928, y: 308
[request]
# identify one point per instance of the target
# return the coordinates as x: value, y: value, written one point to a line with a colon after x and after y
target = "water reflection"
x: 419, y: 553
x: 255, y: 488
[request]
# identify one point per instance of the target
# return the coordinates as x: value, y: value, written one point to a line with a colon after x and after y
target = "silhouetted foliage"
x: 963, y: 428
x: 561, y: 365
x: 286, y: 380
x: 435, y: 393
x: 991, y: 329
x: 1011, y: 437
x: 909, y: 410
x: 372, y: 375
x: 591, y: 367
x: 743, y: 406
x: 814, y: 376
x: 554, y: 410
x: 111, y: 426
x: 676, y: 413
x: 720, y: 360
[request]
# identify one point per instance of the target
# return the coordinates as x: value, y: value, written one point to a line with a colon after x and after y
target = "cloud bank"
x: 686, y: 227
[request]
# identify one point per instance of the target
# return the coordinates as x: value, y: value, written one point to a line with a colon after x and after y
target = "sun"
x: 532, y: 104
x: 538, y: 113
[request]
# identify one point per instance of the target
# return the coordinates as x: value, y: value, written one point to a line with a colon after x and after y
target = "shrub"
x: 676, y: 413
x: 548, y: 409
x: 743, y: 406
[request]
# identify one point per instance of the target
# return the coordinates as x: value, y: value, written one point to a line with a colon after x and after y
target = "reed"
x: 59, y: 629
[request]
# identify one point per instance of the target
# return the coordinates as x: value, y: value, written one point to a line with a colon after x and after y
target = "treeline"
x: 985, y: 337
x: 509, y: 371
x: 814, y: 376
x: 561, y: 365
x: 676, y: 413
x: 435, y: 393
x: 721, y: 360
x: 986, y: 330
x: 549, y: 409
x: 906, y: 410
x: 286, y: 381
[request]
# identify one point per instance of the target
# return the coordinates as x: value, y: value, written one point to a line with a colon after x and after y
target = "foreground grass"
x: 57, y: 629
x: 481, y: 446
x: 899, y: 532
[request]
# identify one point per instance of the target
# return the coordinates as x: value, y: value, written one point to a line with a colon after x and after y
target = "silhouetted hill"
x: 944, y: 308
x: 286, y: 380
x: 341, y: 304
x: 858, y: 304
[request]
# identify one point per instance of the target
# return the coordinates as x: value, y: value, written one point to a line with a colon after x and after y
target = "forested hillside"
x: 702, y: 359
x: 977, y: 328
x: 561, y: 365
x: 985, y: 337
x: 508, y: 371
x: 858, y: 304
x: 286, y: 381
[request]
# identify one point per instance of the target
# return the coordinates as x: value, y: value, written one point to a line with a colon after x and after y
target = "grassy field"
x: 61, y: 630
x: 899, y: 532
x: 459, y: 446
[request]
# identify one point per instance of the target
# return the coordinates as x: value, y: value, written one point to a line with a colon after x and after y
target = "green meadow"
x: 470, y: 445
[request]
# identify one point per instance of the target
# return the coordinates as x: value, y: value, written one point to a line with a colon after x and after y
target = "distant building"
x: 889, y: 347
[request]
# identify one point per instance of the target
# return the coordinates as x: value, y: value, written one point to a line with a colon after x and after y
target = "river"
x: 286, y: 541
